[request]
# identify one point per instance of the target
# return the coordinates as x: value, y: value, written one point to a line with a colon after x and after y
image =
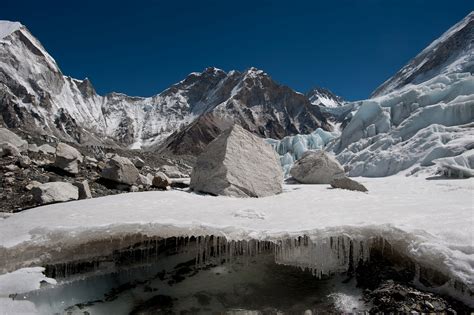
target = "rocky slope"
x: 37, y: 97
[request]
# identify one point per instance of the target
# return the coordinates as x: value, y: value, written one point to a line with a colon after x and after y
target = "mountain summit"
x: 37, y: 97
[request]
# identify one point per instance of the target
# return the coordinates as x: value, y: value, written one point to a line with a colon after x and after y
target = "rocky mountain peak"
x: 324, y: 97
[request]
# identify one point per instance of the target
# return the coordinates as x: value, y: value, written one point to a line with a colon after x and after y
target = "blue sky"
x: 142, y: 47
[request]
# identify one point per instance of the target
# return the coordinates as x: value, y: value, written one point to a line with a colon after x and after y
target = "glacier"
x: 409, y: 127
x: 291, y: 148
x: 308, y: 226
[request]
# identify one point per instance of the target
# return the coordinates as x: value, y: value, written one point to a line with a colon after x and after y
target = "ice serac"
x: 316, y: 167
x: 424, y: 113
x: 460, y: 166
x: 239, y: 164
x: 292, y: 148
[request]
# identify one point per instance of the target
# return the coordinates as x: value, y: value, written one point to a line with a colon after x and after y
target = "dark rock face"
x: 347, y: 183
x: 196, y: 136
x: 255, y: 102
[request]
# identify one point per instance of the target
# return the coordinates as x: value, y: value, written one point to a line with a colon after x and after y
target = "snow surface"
x: 432, y: 219
x: 8, y: 27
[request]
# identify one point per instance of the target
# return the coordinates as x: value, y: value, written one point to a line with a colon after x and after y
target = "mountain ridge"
x: 36, y: 95
x: 451, y: 52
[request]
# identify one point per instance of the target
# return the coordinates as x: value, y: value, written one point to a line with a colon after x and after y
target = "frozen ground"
x: 431, y: 221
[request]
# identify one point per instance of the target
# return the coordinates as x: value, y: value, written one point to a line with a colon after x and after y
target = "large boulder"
x: 347, y: 183
x: 54, y: 192
x: 316, y: 167
x: 144, y: 180
x: 138, y: 162
x: 171, y: 171
x: 68, y: 158
x: 47, y: 149
x: 121, y: 170
x: 8, y: 149
x: 161, y: 181
x: 239, y: 164
x: 6, y: 136
x: 84, y: 189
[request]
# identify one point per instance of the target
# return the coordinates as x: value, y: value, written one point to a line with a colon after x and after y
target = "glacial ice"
x: 459, y: 166
x: 413, y: 125
x: 319, y: 234
x: 291, y: 148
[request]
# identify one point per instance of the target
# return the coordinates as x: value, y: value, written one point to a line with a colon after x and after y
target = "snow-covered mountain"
x: 422, y: 114
x: 35, y: 96
x: 324, y: 97
x: 452, y: 52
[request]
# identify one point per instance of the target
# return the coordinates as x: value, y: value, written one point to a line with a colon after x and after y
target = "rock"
x: 32, y: 184
x: 46, y: 149
x: 54, y: 192
x: 8, y: 149
x: 150, y: 176
x: 121, y: 170
x: 90, y: 160
x: 134, y: 188
x: 9, y: 174
x: 9, y: 180
x: 32, y: 147
x: 67, y: 158
x: 171, y: 171
x: 11, y: 167
x: 139, y: 163
x: 316, y: 167
x: 6, y: 136
x: 144, y: 180
x: 161, y: 181
x: 41, y: 162
x: 84, y: 189
x: 347, y: 183
x: 240, y: 164
x: 180, y: 182
x: 101, y: 165
x: 24, y: 161
x: 394, y: 298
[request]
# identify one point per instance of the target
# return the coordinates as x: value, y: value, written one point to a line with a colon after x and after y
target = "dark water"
x: 175, y: 284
